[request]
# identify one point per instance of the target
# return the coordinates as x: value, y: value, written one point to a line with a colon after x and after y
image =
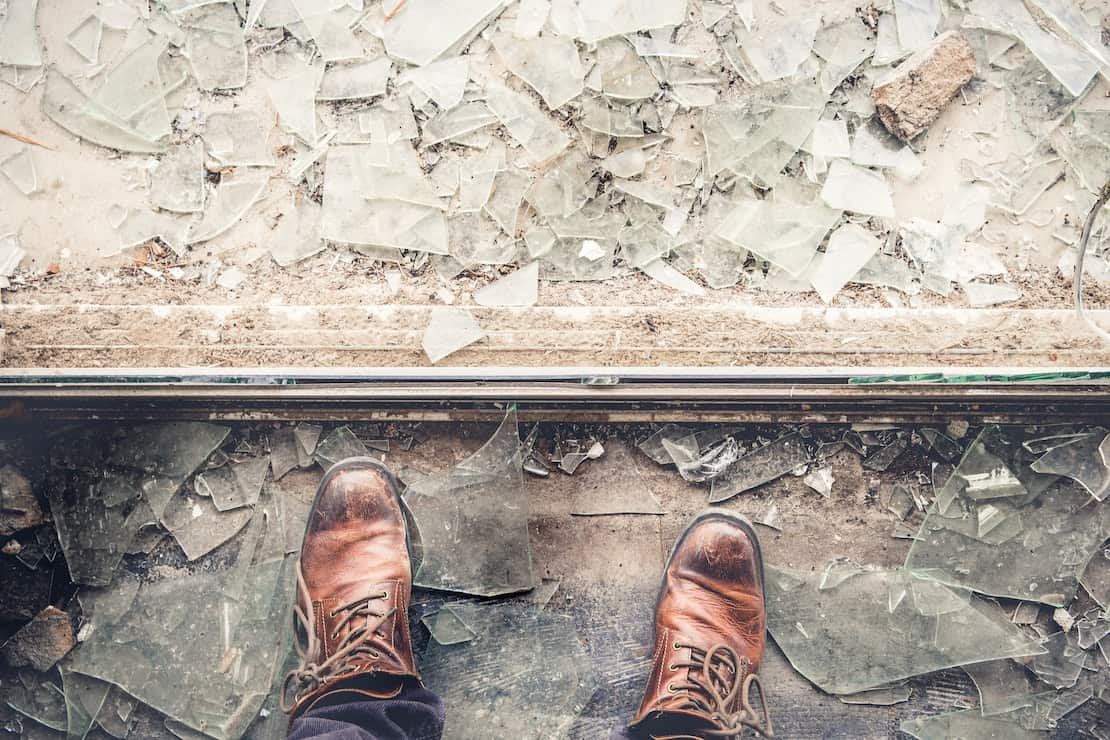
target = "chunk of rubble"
x: 911, y: 97
x: 19, y: 507
x: 42, y: 642
x: 450, y: 330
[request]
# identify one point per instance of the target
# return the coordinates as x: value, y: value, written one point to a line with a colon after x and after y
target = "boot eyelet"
x: 385, y: 594
x: 676, y: 647
x: 670, y: 688
x: 672, y: 667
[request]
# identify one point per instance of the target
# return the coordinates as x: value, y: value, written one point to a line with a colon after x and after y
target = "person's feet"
x: 354, y: 582
x: 710, y: 630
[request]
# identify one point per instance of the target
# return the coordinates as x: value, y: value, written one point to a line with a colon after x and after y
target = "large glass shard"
x: 549, y: 64
x: 1004, y: 685
x: 352, y: 81
x: 504, y: 204
x: 591, y: 22
x: 447, y: 628
x: 341, y: 444
x: 215, y: 46
x: 233, y: 198
x: 177, y: 183
x: 41, y: 701
x: 450, y: 330
x: 1096, y: 577
x: 377, y: 195
x: 526, y: 123
x: 546, y: 674
x: 778, y: 46
x: 332, y: 31
x: 205, y: 648
x: 19, y: 37
x: 85, y: 38
x: 850, y: 248
x: 784, y: 234
x: 294, y: 99
x: 985, y: 534
x: 969, y: 725
x: 760, y: 466
x: 234, y: 484
x: 873, y: 146
x: 134, y: 84
x: 759, y: 134
x: 624, y: 75
x: 614, y: 485
x: 457, y: 122
x: 1073, y: 67
x: 102, y: 488
x: 855, y: 636
x: 917, y: 22
x: 1085, y: 460
x: 859, y: 190
x: 297, y: 236
x: 238, y: 139
x: 520, y: 288
x: 443, y: 81
x: 425, y: 30
x: 84, y: 699
x: 68, y: 107
x: 472, y: 521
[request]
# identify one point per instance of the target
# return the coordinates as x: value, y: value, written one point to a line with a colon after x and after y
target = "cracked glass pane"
x: 857, y: 635
x: 544, y: 673
x: 472, y: 521
x: 761, y: 465
x: 1000, y: 528
x: 598, y: 492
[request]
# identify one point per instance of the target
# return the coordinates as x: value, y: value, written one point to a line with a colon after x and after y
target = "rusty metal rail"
x: 647, y: 396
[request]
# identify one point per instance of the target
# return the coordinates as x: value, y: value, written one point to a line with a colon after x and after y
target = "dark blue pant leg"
x: 414, y: 714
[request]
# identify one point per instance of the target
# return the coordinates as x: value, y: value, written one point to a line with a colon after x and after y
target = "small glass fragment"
x: 365, y: 79
x: 622, y: 73
x: 20, y: 169
x: 443, y: 81
x: 859, y: 190
x: 762, y: 465
x: 85, y: 38
x: 990, y: 294
x: 422, y: 31
x: 873, y: 146
x: 341, y: 444
x: 297, y: 236
x: 885, y: 696
x: 237, y: 139
x: 215, y: 46
x: 233, y: 198
x: 784, y: 234
x: 519, y: 288
x: 450, y: 330
x: 885, y: 456
x: 777, y: 47
x: 1057, y: 666
x: 549, y: 64
x: 820, y: 479
x: 917, y: 22
x: 68, y: 107
x: 526, y: 123
x: 966, y: 724
x: 770, y: 518
x: 1085, y: 460
x: 177, y: 183
x: 850, y: 248
x: 447, y: 628
x: 331, y: 30
x: 294, y: 99
x: 19, y: 38
x: 1004, y: 685
x: 235, y: 484
x: 853, y: 641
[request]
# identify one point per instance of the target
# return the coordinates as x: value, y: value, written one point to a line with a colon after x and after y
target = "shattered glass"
x: 177, y: 183
x: 19, y: 38
x: 1085, y: 460
x: 472, y: 521
x: 19, y: 168
x: 520, y: 288
x: 549, y: 64
x: 762, y: 465
x: 850, y: 248
x: 233, y: 197
x: 855, y: 636
x: 447, y: 628
x: 234, y: 484
x: 856, y: 189
x: 450, y: 330
x: 786, y: 235
x: 339, y: 445
x: 966, y: 724
x: 603, y: 488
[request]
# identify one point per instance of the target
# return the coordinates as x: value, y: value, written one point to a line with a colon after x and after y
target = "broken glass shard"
x: 234, y: 196
x: 449, y: 330
x: 331, y: 30
x: 68, y: 107
x: 1085, y: 460
x: 447, y: 628
x: 235, y: 484
x: 39, y: 700
x: 1004, y: 685
x: 784, y: 234
x: 20, y: 169
x: 859, y: 190
x: 85, y: 38
x: 622, y: 73
x: 472, y: 521
x: 177, y: 183
x: 443, y: 81
x: 19, y: 37
x: 873, y: 146
x: 592, y: 22
x: 968, y: 724
x: 843, y: 47
x: 820, y: 479
x: 425, y: 30
x: 1096, y: 577
x: 519, y: 288
x: 1035, y: 543
x: 917, y: 22
x: 990, y: 294
x: 848, y: 639
x: 84, y: 696
x: 526, y: 123
x: 666, y: 274
x: 830, y: 140
x: 237, y: 139
x: 294, y: 99
x: 547, y: 677
x: 364, y: 79
x: 882, y: 697
x: 141, y: 226
x: 777, y: 47
x: 549, y: 64
x: 1058, y: 667
x: 503, y: 206
x: 341, y: 444
x: 604, y: 488
x: 198, y: 526
x: 297, y: 236
x: 476, y: 176
x: 762, y: 465
x: 215, y: 46
x: 884, y: 457
x: 457, y: 122
x: 850, y: 248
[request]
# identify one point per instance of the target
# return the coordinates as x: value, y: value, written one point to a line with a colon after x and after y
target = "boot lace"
x: 357, y: 646
x: 716, y: 679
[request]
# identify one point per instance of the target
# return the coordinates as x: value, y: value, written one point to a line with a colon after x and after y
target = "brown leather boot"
x: 354, y: 581
x: 710, y: 629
